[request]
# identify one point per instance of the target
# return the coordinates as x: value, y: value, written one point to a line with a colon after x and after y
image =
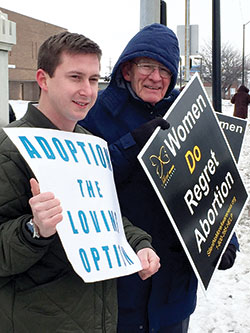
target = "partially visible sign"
x: 77, y: 169
x: 196, y: 179
x: 193, y: 39
x: 234, y: 129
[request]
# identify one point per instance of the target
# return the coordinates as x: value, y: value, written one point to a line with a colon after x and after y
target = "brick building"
x: 30, y: 34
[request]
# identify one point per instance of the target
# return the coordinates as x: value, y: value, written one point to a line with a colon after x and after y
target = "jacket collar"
x: 113, y: 98
x: 37, y: 119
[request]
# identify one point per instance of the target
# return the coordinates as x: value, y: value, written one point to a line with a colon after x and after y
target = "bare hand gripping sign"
x: 196, y: 179
x: 77, y: 169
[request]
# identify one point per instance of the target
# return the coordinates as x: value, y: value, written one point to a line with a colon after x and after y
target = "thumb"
x: 143, y: 257
x: 35, y: 188
x: 144, y: 263
x: 162, y: 123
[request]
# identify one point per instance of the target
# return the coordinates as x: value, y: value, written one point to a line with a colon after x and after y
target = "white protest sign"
x: 77, y: 169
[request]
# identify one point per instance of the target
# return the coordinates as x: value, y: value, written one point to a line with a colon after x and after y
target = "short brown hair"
x: 49, y: 55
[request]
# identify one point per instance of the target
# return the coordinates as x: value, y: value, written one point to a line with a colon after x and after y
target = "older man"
x: 125, y: 114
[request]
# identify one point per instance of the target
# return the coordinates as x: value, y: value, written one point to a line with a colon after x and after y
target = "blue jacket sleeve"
x: 123, y: 151
x: 234, y: 241
x: 123, y: 154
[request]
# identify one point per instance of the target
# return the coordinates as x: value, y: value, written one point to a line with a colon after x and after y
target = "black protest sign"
x: 234, y: 130
x: 196, y: 179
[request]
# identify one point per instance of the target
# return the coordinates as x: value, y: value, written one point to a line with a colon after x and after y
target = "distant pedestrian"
x: 241, y: 100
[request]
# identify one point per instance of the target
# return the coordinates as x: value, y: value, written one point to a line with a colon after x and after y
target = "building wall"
x: 30, y: 34
x: 24, y: 90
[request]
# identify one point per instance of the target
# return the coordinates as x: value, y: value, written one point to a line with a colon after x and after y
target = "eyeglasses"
x: 147, y: 69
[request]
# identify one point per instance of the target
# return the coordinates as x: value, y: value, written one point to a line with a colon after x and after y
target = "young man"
x: 125, y: 115
x: 39, y: 291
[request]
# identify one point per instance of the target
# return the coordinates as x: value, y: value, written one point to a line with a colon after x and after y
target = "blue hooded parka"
x: 169, y: 296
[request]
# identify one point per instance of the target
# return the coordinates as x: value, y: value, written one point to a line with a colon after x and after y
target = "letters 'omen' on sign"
x: 234, y: 129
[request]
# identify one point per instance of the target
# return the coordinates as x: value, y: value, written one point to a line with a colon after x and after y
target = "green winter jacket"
x: 39, y: 291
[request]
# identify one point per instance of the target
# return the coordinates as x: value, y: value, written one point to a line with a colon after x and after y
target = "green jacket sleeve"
x: 18, y: 250
x: 137, y: 238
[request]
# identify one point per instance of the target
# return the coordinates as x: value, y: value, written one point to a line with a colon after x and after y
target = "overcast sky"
x: 111, y: 23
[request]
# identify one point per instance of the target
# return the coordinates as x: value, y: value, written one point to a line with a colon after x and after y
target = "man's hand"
x: 150, y: 263
x: 143, y: 133
x: 228, y: 257
x: 46, y: 209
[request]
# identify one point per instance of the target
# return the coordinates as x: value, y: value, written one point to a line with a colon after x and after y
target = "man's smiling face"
x: 151, y: 87
x: 69, y: 94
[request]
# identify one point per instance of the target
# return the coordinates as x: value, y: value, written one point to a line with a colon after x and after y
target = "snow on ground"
x: 19, y: 107
x: 226, y: 306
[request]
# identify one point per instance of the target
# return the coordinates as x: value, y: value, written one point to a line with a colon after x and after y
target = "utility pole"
x: 187, y: 40
x: 149, y: 12
x: 243, y: 54
x: 7, y: 40
x: 216, y: 56
x: 163, y: 18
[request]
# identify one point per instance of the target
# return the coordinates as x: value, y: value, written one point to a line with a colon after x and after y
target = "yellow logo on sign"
x: 159, y: 162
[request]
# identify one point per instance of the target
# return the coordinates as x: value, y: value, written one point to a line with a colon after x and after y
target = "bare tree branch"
x: 231, y: 66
